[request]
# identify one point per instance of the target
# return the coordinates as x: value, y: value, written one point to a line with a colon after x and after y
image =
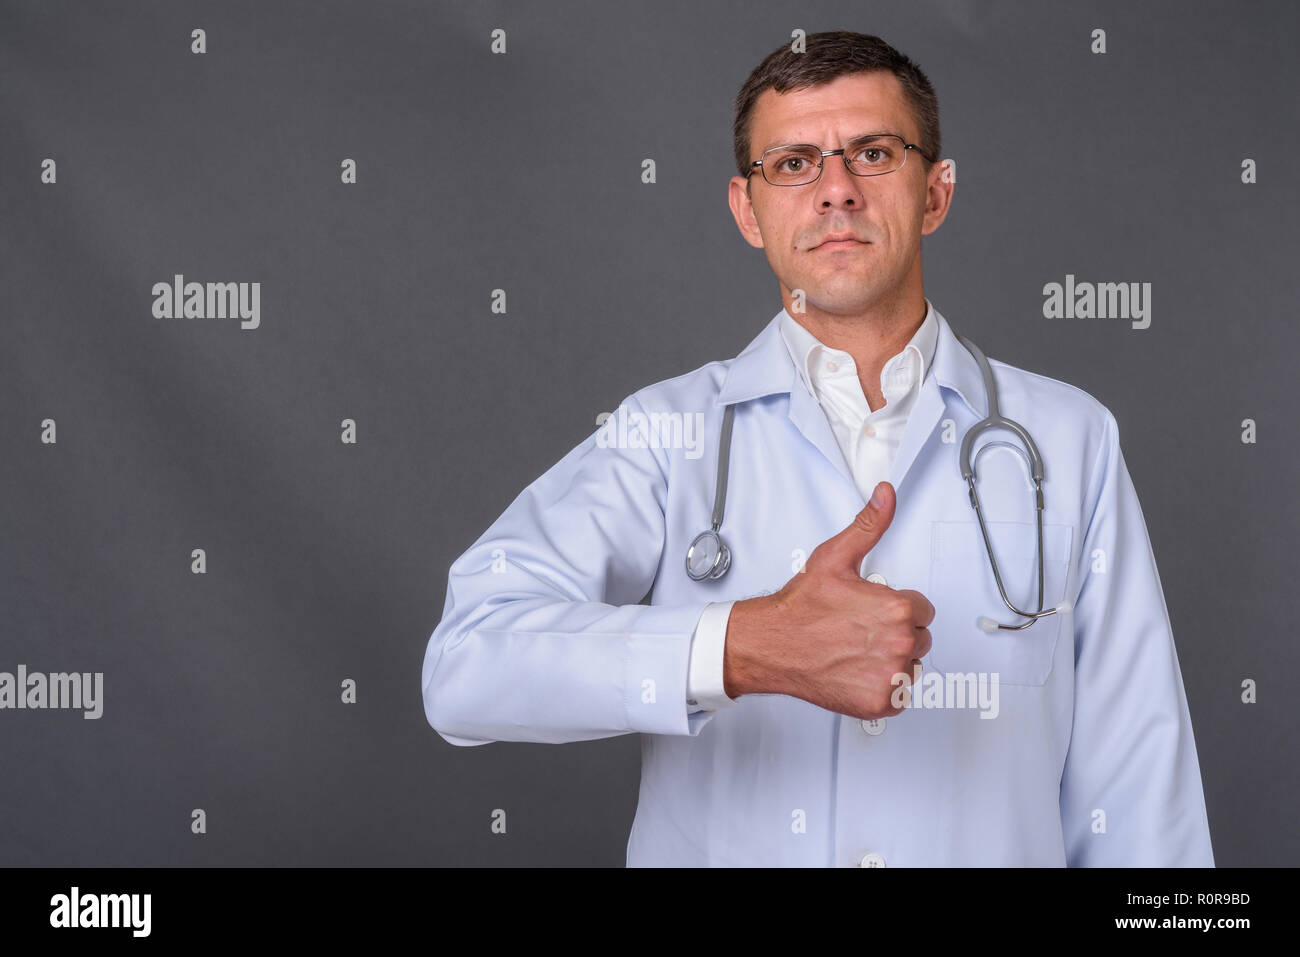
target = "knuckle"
x: 876, y: 705
x: 890, y: 710
x: 922, y: 608
x: 901, y: 645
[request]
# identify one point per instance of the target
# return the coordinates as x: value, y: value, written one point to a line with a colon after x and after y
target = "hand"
x: 830, y: 636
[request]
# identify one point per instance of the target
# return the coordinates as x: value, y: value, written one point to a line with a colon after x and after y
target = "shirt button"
x: 872, y: 860
x: 831, y: 367
x: 869, y: 429
x: 873, y: 726
x: 878, y: 578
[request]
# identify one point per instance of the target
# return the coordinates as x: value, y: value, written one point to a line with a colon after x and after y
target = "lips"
x: 833, y: 244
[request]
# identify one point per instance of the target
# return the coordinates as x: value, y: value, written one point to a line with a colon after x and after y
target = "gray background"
x: 328, y: 561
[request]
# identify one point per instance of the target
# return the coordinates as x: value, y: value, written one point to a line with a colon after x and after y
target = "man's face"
x: 886, y: 215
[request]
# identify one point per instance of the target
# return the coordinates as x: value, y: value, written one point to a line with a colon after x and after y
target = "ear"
x: 742, y: 208
x: 939, y: 189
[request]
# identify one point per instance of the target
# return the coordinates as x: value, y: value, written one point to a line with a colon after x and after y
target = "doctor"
x: 831, y: 700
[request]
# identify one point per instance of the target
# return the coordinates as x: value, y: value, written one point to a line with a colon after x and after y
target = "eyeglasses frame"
x: 821, y: 165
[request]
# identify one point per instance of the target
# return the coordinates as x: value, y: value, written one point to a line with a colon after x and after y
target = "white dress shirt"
x: 869, y: 440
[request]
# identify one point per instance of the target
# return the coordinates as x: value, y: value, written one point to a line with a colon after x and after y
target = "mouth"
x: 841, y: 244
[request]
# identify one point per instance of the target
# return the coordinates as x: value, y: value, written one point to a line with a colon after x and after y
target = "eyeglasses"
x: 872, y: 154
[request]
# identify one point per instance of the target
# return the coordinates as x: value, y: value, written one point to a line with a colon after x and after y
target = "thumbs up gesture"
x: 830, y: 636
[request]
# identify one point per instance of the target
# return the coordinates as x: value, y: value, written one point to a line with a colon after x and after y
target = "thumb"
x: 850, y: 547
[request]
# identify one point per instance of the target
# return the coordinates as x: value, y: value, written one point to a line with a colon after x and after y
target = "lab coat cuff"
x: 706, y: 687
x: 657, y: 660
x: 696, y: 720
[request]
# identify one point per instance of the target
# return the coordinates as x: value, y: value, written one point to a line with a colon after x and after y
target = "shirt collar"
x: 902, y: 372
x: 765, y: 366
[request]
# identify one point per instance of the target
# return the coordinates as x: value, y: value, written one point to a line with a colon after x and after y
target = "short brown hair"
x: 827, y: 57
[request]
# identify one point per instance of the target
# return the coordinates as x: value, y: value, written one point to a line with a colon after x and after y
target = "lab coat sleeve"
x: 542, y: 636
x: 1131, y: 793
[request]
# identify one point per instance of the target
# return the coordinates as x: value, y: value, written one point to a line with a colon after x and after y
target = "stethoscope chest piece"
x: 708, y: 557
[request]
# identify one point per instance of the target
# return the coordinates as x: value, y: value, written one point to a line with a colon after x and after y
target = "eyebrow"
x: 773, y: 146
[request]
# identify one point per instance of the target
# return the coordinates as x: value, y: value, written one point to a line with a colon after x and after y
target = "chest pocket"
x: 962, y: 590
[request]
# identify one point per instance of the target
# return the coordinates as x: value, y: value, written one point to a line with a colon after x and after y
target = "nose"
x: 837, y: 186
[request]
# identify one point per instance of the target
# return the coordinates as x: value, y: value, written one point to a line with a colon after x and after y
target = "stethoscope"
x: 708, y: 557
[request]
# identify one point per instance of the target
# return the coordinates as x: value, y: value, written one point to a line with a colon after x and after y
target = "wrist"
x: 745, y: 668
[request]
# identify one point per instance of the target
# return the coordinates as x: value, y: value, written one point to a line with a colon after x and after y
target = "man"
x: 789, y: 709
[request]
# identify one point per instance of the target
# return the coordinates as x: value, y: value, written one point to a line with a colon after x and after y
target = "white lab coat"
x: 1090, y: 760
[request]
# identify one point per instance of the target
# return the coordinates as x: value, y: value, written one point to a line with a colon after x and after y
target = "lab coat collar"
x: 764, y: 367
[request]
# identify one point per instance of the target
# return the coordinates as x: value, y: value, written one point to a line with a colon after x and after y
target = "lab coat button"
x: 878, y: 578
x: 831, y: 367
x: 873, y: 726
x: 869, y: 429
x: 872, y: 860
